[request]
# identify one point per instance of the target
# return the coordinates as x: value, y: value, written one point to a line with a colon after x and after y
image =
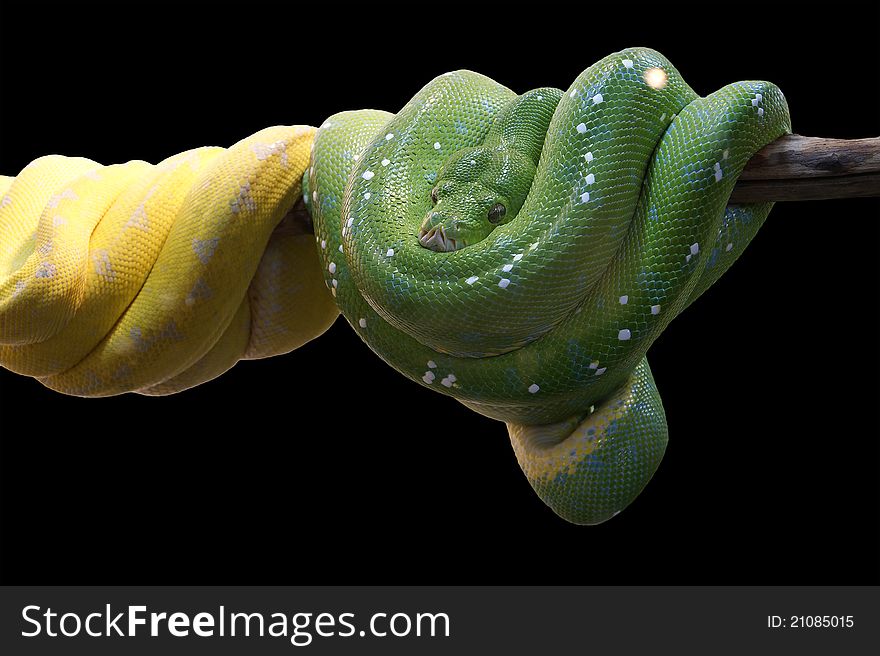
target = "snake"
x: 518, y: 253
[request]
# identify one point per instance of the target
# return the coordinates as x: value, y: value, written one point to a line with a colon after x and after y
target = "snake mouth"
x: 435, y: 239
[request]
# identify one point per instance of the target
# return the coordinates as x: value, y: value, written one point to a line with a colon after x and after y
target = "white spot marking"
x: 472, y: 280
x: 244, y: 200
x: 628, y: 63
x: 594, y: 365
x: 386, y: 162
x: 102, y: 265
x: 655, y: 309
x: 601, y: 371
x: 573, y: 93
x: 204, y: 248
x: 517, y: 257
x: 389, y: 136
x: 624, y: 335
x: 585, y: 197
x: 588, y: 157
x: 367, y: 196
x: 533, y: 388
x: 323, y: 244
x: 729, y: 247
x: 507, y: 267
x: 362, y: 322
x: 389, y: 252
x: 591, y: 178
x: 581, y: 127
x: 624, y: 299
x: 447, y: 382
x: 67, y: 194
x: 368, y: 175
x: 332, y: 267
x: 264, y: 151
x: 695, y: 248
x: 597, y: 99
x: 335, y: 282
x: 760, y: 111
x: 340, y: 248
x: 428, y: 377
x: 436, y: 145
x: 503, y: 283
x: 432, y: 364
x: 200, y: 291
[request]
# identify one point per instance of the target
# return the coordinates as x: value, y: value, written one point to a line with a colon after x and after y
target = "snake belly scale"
x: 544, y: 322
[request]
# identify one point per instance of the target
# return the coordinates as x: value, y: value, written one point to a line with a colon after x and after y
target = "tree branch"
x: 791, y: 168
x: 811, y: 168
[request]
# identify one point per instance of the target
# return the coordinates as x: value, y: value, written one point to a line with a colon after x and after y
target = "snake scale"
x: 519, y: 253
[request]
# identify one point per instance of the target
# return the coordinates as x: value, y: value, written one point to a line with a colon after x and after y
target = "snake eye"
x: 497, y: 213
x: 434, y: 195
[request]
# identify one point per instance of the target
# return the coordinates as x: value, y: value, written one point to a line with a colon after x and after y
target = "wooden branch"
x: 811, y: 168
x: 791, y: 168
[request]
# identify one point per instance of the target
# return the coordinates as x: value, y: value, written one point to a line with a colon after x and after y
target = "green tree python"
x: 519, y: 253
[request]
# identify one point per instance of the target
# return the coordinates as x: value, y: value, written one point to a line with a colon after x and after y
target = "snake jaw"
x: 435, y: 239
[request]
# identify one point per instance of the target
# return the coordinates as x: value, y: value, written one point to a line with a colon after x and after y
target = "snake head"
x: 477, y: 190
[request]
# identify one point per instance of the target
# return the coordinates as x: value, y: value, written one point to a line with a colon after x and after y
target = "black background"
x: 326, y: 466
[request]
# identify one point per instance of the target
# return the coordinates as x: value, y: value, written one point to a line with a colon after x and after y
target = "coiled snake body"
x: 518, y: 253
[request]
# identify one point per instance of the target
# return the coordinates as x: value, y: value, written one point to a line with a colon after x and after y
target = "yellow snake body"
x: 155, y: 278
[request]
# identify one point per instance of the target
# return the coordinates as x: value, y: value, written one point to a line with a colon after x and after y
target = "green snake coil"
x: 520, y: 253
